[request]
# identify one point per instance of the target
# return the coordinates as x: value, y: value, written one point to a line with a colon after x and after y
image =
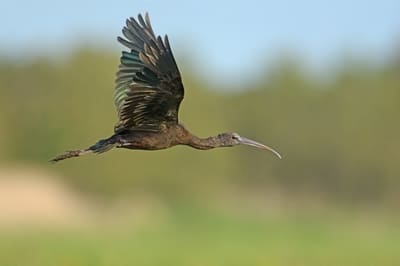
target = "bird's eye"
x: 235, y: 136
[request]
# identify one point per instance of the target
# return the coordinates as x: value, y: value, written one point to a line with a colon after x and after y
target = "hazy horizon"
x: 225, y: 43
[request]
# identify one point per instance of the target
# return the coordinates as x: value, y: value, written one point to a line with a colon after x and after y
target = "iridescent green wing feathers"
x: 149, y: 88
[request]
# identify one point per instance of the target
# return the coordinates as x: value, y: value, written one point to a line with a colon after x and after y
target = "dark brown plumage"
x: 148, y: 94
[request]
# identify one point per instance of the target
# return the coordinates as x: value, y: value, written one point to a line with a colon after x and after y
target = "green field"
x: 199, y: 237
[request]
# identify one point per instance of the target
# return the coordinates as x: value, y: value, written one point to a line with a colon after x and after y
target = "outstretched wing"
x: 149, y: 88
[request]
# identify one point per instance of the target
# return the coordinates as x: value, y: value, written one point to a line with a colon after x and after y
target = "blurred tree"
x: 338, y: 136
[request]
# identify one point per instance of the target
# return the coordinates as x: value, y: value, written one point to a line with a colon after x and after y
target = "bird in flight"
x: 148, y: 93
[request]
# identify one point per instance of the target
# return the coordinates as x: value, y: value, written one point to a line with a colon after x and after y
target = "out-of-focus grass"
x: 204, y: 238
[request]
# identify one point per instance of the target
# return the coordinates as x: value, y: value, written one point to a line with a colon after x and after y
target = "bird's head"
x: 232, y: 139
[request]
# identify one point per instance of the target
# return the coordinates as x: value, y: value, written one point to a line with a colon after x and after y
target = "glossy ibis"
x: 147, y: 96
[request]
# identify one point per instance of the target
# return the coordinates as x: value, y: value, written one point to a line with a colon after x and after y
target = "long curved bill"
x: 256, y: 144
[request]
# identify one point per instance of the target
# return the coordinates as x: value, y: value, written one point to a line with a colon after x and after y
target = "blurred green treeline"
x: 339, y: 135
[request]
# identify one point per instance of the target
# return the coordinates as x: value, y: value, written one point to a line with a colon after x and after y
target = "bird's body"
x: 148, y: 94
x: 170, y: 136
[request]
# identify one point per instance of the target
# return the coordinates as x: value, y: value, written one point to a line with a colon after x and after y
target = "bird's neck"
x: 203, y: 143
x: 187, y: 138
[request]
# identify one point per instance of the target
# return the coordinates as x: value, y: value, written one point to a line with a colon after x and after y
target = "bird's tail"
x: 100, y: 147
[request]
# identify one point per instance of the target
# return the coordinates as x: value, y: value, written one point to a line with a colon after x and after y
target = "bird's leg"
x: 70, y: 154
x: 122, y: 142
x: 100, y: 147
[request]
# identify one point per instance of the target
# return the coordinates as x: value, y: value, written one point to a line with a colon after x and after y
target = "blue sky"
x: 226, y: 39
